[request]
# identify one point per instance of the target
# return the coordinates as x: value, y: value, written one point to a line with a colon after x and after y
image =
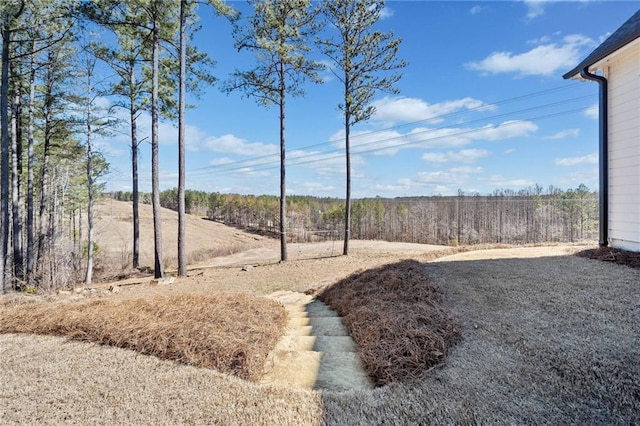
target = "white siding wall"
x: 623, y: 74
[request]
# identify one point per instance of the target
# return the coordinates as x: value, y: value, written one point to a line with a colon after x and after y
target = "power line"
x: 248, y: 162
x: 356, y: 148
x: 336, y: 156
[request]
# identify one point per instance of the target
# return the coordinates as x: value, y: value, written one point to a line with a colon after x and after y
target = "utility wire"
x: 270, y: 160
x: 340, y: 155
x: 248, y: 162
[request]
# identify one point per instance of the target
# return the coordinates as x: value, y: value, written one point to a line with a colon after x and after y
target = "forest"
x: 52, y: 114
x: 528, y: 216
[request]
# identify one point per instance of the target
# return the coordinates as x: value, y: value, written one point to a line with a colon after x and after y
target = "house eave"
x: 602, y: 64
x: 625, y: 36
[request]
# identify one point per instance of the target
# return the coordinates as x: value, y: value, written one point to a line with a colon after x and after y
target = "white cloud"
x: 469, y: 155
x: 564, y: 134
x: 476, y: 9
x: 435, y: 157
x: 438, y: 182
x: 499, y: 181
x: 386, y: 12
x: 194, y: 137
x: 402, y: 109
x: 535, y: 8
x: 546, y: 59
x: 540, y: 40
x: 251, y: 172
x: 445, y: 182
x: 440, y: 178
x: 462, y: 156
x: 390, y: 142
x: 466, y: 170
x: 316, y: 187
x: 222, y: 161
x: 508, y: 129
x: 576, y: 161
x: 402, y: 187
x: 381, y: 143
x: 104, y: 145
x: 593, y: 112
x: 230, y: 144
x: 167, y: 132
x: 439, y: 138
x: 324, y: 163
x: 509, y: 151
x: 588, y: 177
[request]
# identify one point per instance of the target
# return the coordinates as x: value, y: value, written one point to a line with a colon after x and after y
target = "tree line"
x: 54, y: 82
x: 531, y: 215
x: 52, y: 110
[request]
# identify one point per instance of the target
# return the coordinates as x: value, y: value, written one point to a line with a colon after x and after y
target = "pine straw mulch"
x: 610, y: 254
x: 229, y: 333
x: 394, y: 314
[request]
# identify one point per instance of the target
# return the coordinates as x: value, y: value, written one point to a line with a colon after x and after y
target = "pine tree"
x: 9, y: 13
x: 278, y: 33
x: 359, y: 54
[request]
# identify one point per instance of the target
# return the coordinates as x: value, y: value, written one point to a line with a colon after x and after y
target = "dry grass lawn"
x: 205, y: 239
x: 546, y: 338
x: 230, y: 333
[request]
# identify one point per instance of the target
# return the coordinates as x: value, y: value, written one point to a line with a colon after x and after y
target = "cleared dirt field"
x: 547, y: 337
x: 206, y: 239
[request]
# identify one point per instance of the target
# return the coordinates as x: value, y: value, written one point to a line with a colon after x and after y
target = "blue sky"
x: 482, y: 106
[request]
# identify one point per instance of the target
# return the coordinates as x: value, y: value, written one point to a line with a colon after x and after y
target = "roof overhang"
x: 602, y: 64
x: 625, y: 37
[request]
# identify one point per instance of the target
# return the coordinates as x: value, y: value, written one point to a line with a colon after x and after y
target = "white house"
x: 615, y: 65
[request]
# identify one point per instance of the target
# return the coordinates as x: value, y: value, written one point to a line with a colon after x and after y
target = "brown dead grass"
x: 394, y: 315
x: 610, y: 254
x: 229, y: 333
x: 547, y: 338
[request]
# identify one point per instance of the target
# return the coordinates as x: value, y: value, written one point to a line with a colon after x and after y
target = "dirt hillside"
x: 205, y: 239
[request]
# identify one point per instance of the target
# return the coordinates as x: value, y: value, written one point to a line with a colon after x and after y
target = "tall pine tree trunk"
x: 4, y: 156
x: 347, y: 204
x: 134, y: 169
x: 182, y: 256
x: 90, y: 191
x: 30, y: 170
x: 155, y: 180
x: 43, y: 224
x: 283, y: 193
x: 16, y: 189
